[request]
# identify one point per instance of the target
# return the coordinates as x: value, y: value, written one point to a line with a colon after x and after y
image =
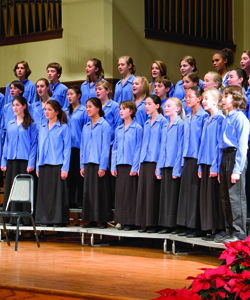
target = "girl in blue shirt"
x: 125, y: 165
x: 77, y: 118
x: 22, y: 72
x: 169, y: 164
x: 190, y: 79
x: 148, y: 196
x: 210, y: 202
x: 187, y: 65
x: 233, y: 146
x: 221, y: 61
x: 37, y: 109
x: 212, y: 80
x: 110, y: 107
x: 140, y: 90
x: 94, y: 161
x: 159, y: 69
x: 188, y: 214
x: 95, y: 73
x: 20, y: 146
x: 123, y: 88
x: 52, y: 166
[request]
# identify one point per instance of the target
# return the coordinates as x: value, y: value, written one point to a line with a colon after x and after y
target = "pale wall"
x: 107, y: 29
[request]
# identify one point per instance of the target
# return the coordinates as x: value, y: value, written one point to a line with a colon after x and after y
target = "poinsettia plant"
x: 231, y: 280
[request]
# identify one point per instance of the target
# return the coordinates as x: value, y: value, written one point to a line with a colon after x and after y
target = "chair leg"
x: 36, y: 236
x: 17, y: 233
x: 4, y: 227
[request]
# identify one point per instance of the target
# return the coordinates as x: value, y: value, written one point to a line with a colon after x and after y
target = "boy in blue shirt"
x: 233, y: 145
x: 59, y: 90
x: 162, y: 87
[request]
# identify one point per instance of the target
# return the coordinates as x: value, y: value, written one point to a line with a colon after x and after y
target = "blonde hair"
x: 105, y: 84
x: 178, y: 103
x: 216, y: 78
x: 216, y: 94
x: 145, y: 86
x: 129, y: 60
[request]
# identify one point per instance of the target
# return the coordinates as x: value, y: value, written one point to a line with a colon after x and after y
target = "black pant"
x: 233, y: 197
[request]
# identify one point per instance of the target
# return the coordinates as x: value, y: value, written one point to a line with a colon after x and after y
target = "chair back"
x: 22, y: 190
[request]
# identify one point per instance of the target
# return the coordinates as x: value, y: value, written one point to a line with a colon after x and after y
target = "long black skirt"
x: 125, y: 195
x: 169, y: 198
x: 210, y: 203
x: 52, y: 196
x: 14, y: 168
x: 148, y: 196
x: 188, y: 213
x: 96, y: 205
x: 75, y: 180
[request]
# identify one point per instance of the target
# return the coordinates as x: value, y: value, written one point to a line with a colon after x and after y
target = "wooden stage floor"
x: 63, y: 267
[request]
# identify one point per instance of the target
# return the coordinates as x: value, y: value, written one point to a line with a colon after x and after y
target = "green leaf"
x: 204, y: 294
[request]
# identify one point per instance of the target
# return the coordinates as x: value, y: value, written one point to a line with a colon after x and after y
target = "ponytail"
x: 98, y: 104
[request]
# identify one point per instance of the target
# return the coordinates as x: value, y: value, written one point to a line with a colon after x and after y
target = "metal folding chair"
x: 21, y: 192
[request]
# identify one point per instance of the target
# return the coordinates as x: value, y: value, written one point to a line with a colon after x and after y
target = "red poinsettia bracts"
x: 229, y: 281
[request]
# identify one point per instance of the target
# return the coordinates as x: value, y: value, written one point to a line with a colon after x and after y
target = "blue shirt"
x: 20, y: 143
x: 192, y: 133
x: 8, y: 114
x: 29, y: 92
x: 112, y: 116
x: 127, y: 146
x: 95, y: 144
x: 38, y: 113
x: 123, y: 93
x: 179, y: 90
x: 141, y: 115
x: 209, y: 142
x: 224, y: 80
x: 88, y: 91
x: 169, y: 94
x: 54, y: 146
x: 152, y: 139
x: 76, y: 122
x: 234, y: 133
x: 171, y: 147
x: 59, y: 93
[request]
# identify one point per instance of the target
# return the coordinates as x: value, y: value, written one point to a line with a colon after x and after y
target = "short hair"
x: 129, y: 60
x: 165, y: 80
x: 193, y: 76
x: 238, y: 95
x: 131, y: 106
x: 105, y: 84
x: 18, y: 84
x: 26, y: 67
x: 56, y: 66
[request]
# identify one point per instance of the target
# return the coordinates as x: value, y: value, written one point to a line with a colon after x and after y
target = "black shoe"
x: 129, y: 227
x: 185, y: 233
x: 165, y: 230
x: 122, y: 227
x: 209, y: 238
x: 145, y: 229
x: 103, y: 225
x: 196, y: 234
x: 90, y: 224
x: 177, y: 231
x: 153, y: 229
